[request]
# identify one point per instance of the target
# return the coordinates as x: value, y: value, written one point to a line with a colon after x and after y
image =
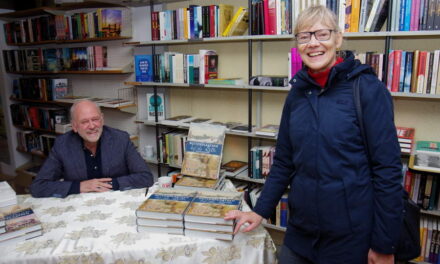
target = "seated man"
x: 91, y: 158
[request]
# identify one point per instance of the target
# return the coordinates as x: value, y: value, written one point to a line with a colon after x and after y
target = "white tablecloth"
x: 101, y: 228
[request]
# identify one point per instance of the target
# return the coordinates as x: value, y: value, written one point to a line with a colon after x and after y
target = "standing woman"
x: 342, y: 209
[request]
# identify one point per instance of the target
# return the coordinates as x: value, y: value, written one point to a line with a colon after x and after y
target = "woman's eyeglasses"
x: 320, y: 35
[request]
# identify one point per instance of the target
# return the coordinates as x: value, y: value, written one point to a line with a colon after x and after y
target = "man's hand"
x: 95, y: 185
x: 379, y: 258
x: 252, y: 218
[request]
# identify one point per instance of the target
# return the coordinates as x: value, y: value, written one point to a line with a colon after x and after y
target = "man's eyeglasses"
x: 320, y: 35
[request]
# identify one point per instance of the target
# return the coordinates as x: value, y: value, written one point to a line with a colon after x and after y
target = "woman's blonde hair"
x: 314, y: 14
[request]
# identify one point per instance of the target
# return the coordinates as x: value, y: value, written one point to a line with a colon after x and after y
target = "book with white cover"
x: 8, y: 196
x: 209, y: 227
x: 206, y: 234
x: 155, y: 229
x: 159, y: 222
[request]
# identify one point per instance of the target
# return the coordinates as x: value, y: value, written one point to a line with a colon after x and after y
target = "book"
x: 203, y: 151
x: 241, y: 129
x: 156, y: 229
x: 197, y: 121
x: 166, y: 204
x: 143, y: 68
x: 226, y: 81
x: 427, y: 156
x: 263, y: 80
x: 177, y: 120
x: 210, y: 207
x: 113, y: 102
x: 210, y: 234
x: 59, y: 88
x: 197, y: 183
x: 234, y: 167
x: 20, y: 222
x: 17, y: 239
x: 207, y: 227
x: 8, y: 196
x: 405, y: 134
x: 239, y: 23
x: 159, y: 222
x: 153, y: 102
x: 268, y: 130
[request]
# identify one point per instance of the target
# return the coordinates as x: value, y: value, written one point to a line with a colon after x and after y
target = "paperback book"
x: 143, y: 68
x: 153, y: 103
x: 203, y: 151
x: 268, y: 130
x: 198, y: 183
x: 19, y: 224
x: 234, y: 167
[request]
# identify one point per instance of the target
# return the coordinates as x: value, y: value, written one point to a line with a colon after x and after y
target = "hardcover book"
x: 166, y: 203
x: 59, y: 88
x: 152, y: 102
x: 405, y: 134
x: 197, y: 183
x: 211, y: 207
x: 234, y: 167
x: 143, y: 68
x: 203, y: 151
x: 19, y: 223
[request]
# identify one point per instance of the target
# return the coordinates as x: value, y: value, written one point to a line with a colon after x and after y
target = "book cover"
x: 143, y: 68
x: 234, y: 167
x: 405, y: 134
x: 196, y: 182
x: 19, y: 222
x: 59, y: 88
x: 111, y: 22
x: 153, y: 103
x: 226, y: 81
x: 203, y: 151
x: 166, y: 203
x: 212, y: 206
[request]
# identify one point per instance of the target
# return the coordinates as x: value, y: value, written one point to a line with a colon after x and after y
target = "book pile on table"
x: 18, y: 225
x: 405, y: 136
x: 191, y: 213
x: 163, y: 211
x: 204, y: 216
x: 8, y: 198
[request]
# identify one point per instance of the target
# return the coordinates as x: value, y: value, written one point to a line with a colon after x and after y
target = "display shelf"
x: 212, y: 40
x: 108, y: 72
x: 246, y: 179
x: 33, y: 153
x: 51, y: 9
x: 415, y: 96
x: 37, y: 129
x: 430, y: 212
x: 60, y: 42
x: 382, y: 34
x: 210, y: 86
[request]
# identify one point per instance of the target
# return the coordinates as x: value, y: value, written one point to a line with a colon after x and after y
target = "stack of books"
x: 427, y: 156
x: 268, y: 130
x: 163, y: 211
x: 205, y: 215
x: 8, y: 198
x: 19, y: 225
x: 405, y: 135
x: 187, y: 212
x: 234, y: 167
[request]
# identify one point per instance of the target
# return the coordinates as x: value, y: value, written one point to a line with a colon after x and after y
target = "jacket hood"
x: 347, y: 69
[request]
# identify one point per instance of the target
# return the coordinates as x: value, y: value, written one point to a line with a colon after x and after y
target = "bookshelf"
x: 100, y: 83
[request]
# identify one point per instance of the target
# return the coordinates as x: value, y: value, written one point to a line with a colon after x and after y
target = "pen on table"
x: 146, y: 191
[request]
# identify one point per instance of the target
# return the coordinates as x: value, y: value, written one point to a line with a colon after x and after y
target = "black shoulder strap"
x: 358, y: 106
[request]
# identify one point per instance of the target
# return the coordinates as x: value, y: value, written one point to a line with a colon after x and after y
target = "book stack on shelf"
x: 205, y: 215
x: 101, y: 23
x: 268, y: 130
x: 234, y: 167
x: 429, y: 242
x: 405, y: 136
x: 38, y: 117
x: 163, y: 211
x: 426, y: 156
x: 271, y: 17
x: 44, y: 89
x: 92, y: 58
x: 172, y: 146
x: 19, y: 224
x: 263, y: 80
x: 8, y: 197
x: 261, y: 161
x: 423, y: 189
x: 176, y: 67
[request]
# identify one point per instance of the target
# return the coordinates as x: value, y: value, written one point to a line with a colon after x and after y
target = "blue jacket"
x: 66, y: 163
x: 334, y: 193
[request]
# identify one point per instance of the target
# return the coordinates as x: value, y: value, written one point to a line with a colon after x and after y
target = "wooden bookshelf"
x: 60, y: 42
x: 33, y: 153
x: 37, y: 129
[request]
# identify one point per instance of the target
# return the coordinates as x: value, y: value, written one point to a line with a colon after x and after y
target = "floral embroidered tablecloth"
x: 98, y: 228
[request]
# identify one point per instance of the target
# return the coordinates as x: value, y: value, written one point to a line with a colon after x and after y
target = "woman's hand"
x: 252, y: 218
x: 379, y: 258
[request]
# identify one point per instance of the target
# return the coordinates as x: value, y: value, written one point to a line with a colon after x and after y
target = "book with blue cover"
x: 143, y: 68
x: 203, y: 150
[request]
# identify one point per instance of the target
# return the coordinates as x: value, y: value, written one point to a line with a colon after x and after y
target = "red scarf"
x: 321, y: 77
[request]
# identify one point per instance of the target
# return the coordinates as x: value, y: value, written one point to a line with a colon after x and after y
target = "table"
x: 97, y: 228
